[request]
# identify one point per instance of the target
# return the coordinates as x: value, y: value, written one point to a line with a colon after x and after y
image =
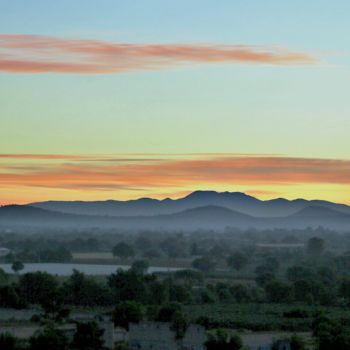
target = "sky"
x: 116, y: 99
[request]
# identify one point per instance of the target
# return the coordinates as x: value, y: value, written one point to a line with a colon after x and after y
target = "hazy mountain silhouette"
x: 203, y: 217
x: 231, y: 200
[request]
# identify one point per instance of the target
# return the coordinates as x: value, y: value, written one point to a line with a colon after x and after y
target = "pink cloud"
x: 43, y: 54
x: 227, y: 170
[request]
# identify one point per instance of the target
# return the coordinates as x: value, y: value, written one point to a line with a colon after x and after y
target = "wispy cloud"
x: 21, y: 53
x: 173, y: 173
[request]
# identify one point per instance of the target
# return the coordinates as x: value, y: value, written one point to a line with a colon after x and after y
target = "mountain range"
x: 198, y: 210
x: 236, y: 201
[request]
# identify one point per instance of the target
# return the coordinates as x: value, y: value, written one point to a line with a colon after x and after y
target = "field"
x: 262, y: 317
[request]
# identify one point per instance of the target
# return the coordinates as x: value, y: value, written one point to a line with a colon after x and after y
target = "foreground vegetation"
x: 294, y: 281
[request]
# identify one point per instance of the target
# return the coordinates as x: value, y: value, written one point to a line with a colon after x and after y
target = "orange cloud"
x: 104, y: 173
x: 43, y: 54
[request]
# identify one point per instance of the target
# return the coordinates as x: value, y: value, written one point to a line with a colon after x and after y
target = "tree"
x: 237, y: 261
x: 204, y: 264
x: 263, y: 278
x: 48, y: 338
x: 315, y: 246
x: 3, y: 277
x: 330, y: 334
x: 127, y: 285
x: 240, y: 292
x: 38, y: 288
x: 140, y: 266
x: 174, y: 247
x: 223, y: 341
x: 297, y: 343
x: 167, y: 312
x: 80, y: 289
x: 123, y: 250
x: 296, y: 272
x: 179, y: 324
x: 278, y: 291
x: 344, y: 289
x: 127, y: 312
x: 17, y: 266
x: 174, y: 313
x: 88, y: 336
x: 9, y: 297
x: 9, y: 342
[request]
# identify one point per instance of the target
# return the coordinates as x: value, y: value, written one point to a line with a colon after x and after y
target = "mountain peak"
x: 201, y: 194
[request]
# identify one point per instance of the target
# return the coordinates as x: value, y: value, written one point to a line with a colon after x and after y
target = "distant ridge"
x: 237, y: 201
x: 203, y: 217
x: 210, y: 216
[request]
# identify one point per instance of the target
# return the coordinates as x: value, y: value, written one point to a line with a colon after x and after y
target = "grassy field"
x: 261, y: 317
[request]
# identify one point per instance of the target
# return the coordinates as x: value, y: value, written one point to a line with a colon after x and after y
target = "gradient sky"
x: 113, y: 94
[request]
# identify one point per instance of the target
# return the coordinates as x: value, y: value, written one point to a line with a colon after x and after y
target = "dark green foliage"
x: 9, y: 298
x: 264, y: 278
x: 221, y: 340
x: 174, y: 313
x: 17, y: 266
x: 315, y: 246
x: 297, y: 313
x: 204, y: 264
x: 9, y: 342
x: 241, y: 293
x: 331, y: 334
x: 3, y: 277
x: 121, y: 346
x: 140, y: 266
x: 344, y: 288
x: 88, y: 336
x: 167, y: 312
x: 123, y: 250
x: 85, y: 291
x: 127, y: 285
x: 279, y: 292
x: 157, y: 293
x: 297, y: 343
x: 256, y: 317
x: 208, y: 296
x: 179, y: 293
x: 179, y: 324
x: 223, y: 292
x: 49, y: 338
x: 127, y: 312
x: 237, y: 261
x: 174, y: 247
x: 299, y: 272
x: 38, y: 287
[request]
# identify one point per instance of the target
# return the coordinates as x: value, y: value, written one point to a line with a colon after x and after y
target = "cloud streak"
x: 128, y: 173
x: 21, y: 53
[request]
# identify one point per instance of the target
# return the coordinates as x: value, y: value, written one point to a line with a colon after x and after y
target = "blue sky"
x: 292, y: 110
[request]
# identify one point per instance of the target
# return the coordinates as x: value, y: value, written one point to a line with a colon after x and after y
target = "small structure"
x: 160, y: 336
